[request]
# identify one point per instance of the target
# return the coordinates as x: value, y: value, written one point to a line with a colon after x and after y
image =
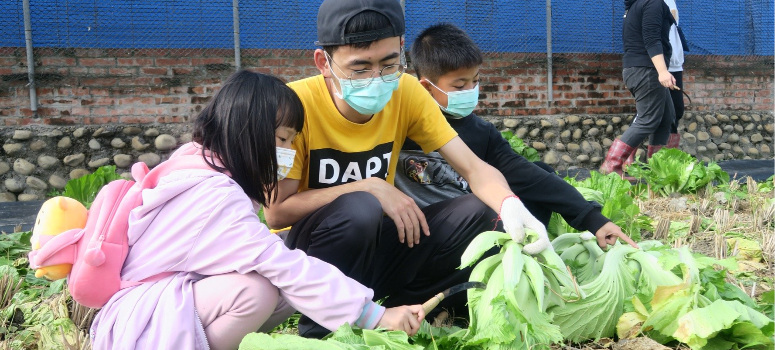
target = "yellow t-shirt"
x: 331, y: 150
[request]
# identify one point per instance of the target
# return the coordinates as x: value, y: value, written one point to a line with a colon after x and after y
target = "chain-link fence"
x: 73, y: 40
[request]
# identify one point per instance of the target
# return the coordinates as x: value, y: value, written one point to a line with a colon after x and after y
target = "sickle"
x: 436, y: 299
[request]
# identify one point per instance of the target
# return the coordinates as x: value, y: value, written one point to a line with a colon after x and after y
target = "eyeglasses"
x: 363, y: 77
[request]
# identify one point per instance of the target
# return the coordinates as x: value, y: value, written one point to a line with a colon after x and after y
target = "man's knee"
x: 360, y: 209
x: 359, y: 214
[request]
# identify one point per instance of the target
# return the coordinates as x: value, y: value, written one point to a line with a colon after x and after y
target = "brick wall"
x: 98, y: 86
x: 161, y: 86
x: 515, y: 84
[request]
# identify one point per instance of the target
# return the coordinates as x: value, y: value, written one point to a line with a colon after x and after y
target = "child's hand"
x: 403, y: 318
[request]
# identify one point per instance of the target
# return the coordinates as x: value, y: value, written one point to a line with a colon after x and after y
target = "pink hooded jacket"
x: 199, y: 223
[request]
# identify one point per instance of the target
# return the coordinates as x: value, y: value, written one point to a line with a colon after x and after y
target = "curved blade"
x: 463, y: 286
x: 433, y: 302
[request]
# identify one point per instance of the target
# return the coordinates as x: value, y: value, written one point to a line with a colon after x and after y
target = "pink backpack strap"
x: 149, y: 179
x: 54, y: 250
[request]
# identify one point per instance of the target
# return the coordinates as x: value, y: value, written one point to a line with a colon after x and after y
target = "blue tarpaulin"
x: 740, y: 27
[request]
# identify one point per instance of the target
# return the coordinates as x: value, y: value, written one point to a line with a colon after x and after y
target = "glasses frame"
x: 401, y: 70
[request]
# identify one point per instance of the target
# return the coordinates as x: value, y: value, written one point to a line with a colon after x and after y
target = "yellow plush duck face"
x: 57, y: 215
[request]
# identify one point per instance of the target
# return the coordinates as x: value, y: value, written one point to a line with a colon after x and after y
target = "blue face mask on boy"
x: 368, y: 99
x: 459, y: 103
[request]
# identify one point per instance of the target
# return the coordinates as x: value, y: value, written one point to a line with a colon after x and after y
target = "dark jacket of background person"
x: 541, y: 191
x: 646, y: 32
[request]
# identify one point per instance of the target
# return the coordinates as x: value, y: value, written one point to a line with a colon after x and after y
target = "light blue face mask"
x: 369, y: 99
x: 460, y: 104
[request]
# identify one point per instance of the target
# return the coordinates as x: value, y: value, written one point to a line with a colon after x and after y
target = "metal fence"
x: 222, y: 27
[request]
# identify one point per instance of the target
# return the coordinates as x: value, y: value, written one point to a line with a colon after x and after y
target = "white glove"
x: 515, y: 218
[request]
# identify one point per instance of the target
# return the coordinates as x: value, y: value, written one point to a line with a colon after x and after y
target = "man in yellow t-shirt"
x: 339, y: 196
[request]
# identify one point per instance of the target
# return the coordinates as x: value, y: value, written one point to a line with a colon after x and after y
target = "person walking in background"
x: 675, y: 67
x: 645, y: 37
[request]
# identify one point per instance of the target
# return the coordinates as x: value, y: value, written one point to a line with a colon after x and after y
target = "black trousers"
x: 352, y: 234
x: 654, y: 105
x: 678, y: 100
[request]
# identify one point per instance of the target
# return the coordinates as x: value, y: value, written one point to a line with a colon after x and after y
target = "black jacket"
x: 531, y: 183
x: 645, y: 32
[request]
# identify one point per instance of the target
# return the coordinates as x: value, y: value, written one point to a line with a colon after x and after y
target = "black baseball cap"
x: 333, y: 16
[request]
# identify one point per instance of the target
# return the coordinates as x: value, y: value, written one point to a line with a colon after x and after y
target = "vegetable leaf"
x: 520, y: 147
x: 84, y: 189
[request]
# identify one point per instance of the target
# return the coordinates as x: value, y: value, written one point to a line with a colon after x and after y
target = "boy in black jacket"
x: 447, y: 63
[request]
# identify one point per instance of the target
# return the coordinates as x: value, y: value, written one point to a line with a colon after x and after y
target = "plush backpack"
x: 97, y: 251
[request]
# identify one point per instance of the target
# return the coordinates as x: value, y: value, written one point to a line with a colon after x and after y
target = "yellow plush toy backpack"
x: 97, y: 250
x: 56, y: 215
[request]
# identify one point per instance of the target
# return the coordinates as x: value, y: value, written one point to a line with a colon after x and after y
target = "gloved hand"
x: 515, y: 218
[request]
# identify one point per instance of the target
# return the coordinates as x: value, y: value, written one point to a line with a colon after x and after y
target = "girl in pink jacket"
x: 230, y: 275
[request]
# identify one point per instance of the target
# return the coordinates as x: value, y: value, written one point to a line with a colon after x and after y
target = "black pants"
x: 678, y: 100
x: 352, y: 234
x: 654, y: 105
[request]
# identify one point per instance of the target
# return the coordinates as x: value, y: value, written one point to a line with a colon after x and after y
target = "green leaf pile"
x: 511, y: 312
x: 33, y: 312
x: 671, y: 170
x: 615, y: 195
x: 348, y: 338
x: 696, y: 313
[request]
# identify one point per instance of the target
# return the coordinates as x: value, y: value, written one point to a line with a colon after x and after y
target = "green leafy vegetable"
x: 84, y: 189
x: 615, y: 195
x: 604, y: 301
x: 520, y: 147
x: 511, y: 312
x: 768, y: 185
x: 701, y: 320
x: 672, y: 170
x: 348, y: 338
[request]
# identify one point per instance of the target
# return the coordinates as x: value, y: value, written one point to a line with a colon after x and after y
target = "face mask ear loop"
x: 437, y: 88
x: 338, y: 94
x: 442, y: 91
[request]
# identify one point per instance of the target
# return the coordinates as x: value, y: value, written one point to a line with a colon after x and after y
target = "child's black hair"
x: 365, y: 21
x: 443, y: 48
x: 238, y: 126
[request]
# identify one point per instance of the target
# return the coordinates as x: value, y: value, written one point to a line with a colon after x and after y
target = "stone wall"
x: 39, y: 159
x: 582, y: 141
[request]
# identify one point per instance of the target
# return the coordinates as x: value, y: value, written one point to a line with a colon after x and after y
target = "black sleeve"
x: 651, y: 26
x: 532, y: 183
